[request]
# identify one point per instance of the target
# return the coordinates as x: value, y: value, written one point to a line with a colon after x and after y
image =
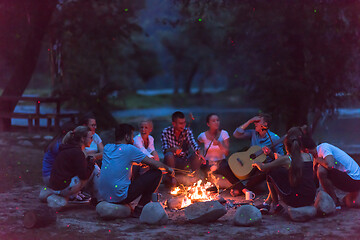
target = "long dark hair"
x: 65, y: 128
x: 293, y: 145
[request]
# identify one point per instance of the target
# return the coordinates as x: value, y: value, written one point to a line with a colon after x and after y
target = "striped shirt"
x: 185, y: 140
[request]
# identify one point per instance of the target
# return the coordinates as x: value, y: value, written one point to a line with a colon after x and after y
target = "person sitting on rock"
x: 115, y: 184
x: 52, y: 150
x: 145, y: 142
x: 290, y: 176
x: 71, y: 170
x: 335, y: 169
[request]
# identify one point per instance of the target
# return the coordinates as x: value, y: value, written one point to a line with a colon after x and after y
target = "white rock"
x: 247, y: 215
x: 203, y: 212
x: 302, y: 214
x: 324, y: 204
x: 47, y: 137
x: 56, y: 202
x: 45, y: 193
x: 108, y: 210
x: 153, y: 213
x: 25, y: 143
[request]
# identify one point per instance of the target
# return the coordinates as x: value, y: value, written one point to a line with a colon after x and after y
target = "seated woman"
x: 71, y: 170
x: 216, y: 148
x: 52, y: 150
x: 145, y: 142
x: 96, y: 147
x: 290, y: 176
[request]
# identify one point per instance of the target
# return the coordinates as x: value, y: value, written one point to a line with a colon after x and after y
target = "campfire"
x: 196, y: 193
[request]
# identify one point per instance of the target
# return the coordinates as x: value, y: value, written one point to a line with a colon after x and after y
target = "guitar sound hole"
x: 252, y: 156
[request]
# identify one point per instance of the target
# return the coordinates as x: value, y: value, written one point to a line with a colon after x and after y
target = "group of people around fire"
x: 79, y: 167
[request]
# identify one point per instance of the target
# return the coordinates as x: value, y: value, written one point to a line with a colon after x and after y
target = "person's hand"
x: 213, y: 168
x: 255, y: 119
x: 170, y: 171
x: 178, y: 151
x: 258, y: 165
x: 266, y: 150
x: 216, y: 142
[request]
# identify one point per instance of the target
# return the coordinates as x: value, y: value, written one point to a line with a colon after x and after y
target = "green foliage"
x: 102, y: 50
x: 295, y: 57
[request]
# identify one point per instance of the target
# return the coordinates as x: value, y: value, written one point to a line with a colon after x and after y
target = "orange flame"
x: 195, y: 193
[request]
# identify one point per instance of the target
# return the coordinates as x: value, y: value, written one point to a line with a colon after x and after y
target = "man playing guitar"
x: 262, y: 137
x: 176, y: 141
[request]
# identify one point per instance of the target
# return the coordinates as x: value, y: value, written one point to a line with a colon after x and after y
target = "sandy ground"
x: 82, y: 222
x: 19, y: 189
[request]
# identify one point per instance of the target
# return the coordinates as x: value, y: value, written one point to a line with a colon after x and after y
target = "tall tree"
x: 103, y: 50
x: 33, y: 16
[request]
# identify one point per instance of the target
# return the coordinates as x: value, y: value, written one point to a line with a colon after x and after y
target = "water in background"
x: 342, y: 130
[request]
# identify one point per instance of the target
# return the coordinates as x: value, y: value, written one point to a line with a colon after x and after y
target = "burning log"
x: 192, y: 194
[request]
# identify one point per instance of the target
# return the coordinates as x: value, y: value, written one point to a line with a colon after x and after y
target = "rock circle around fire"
x: 153, y: 213
x: 204, y: 212
x: 111, y: 211
x: 247, y: 215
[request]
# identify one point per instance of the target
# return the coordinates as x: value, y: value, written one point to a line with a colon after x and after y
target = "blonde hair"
x: 146, y: 120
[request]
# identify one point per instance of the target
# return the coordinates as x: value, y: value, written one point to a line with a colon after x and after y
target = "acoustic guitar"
x: 240, y: 163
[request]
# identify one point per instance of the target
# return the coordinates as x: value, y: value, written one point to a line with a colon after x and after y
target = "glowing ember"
x: 195, y: 193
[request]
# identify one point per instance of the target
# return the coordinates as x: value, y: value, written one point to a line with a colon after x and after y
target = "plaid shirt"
x: 185, y: 140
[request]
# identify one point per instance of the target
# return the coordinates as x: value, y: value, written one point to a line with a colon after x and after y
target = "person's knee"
x: 169, y: 158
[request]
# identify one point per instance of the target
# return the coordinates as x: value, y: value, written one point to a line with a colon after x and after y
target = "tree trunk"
x: 190, y: 78
x: 40, y: 15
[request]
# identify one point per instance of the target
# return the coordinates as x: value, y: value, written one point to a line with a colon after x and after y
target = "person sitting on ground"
x: 145, y: 142
x: 290, y: 176
x: 334, y: 169
x: 52, y: 150
x: 115, y: 185
x: 260, y: 136
x: 72, y: 170
x: 176, y: 142
x: 96, y: 147
x: 216, y: 148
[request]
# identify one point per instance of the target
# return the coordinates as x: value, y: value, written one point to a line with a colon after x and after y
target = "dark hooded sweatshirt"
x: 70, y: 162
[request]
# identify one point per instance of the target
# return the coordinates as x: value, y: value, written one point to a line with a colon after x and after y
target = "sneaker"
x: 79, y: 199
x: 137, y: 212
x: 264, y: 208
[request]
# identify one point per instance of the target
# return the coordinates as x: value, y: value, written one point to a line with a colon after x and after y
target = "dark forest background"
x: 293, y: 59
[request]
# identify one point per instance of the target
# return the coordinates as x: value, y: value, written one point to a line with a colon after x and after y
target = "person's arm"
x: 165, y: 145
x: 99, y: 154
x: 224, y: 146
x: 281, y: 161
x: 240, y: 131
x: 83, y: 166
x: 139, y: 144
x: 158, y: 165
x: 193, y: 143
x: 328, y: 162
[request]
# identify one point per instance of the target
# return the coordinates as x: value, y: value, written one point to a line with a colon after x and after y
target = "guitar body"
x: 240, y: 162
